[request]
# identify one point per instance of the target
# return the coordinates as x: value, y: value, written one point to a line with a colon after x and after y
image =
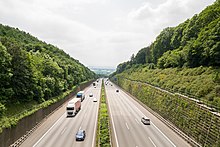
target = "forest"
x: 183, y: 59
x: 178, y: 76
x: 193, y: 43
x: 34, y: 71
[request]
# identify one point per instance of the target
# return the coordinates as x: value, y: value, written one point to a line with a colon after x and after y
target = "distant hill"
x: 32, y: 70
x: 102, y: 70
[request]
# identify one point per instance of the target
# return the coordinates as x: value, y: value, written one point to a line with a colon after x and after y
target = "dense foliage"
x: 184, y: 59
x: 199, y: 124
x: 193, y: 43
x: 202, y: 83
x: 32, y: 70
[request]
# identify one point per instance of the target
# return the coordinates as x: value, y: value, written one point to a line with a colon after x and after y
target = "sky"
x: 100, y: 33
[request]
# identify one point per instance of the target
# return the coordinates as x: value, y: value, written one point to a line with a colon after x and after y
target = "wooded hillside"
x: 32, y: 70
x: 184, y: 59
x: 193, y: 43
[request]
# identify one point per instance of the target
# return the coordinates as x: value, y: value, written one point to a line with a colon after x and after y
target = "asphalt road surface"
x: 127, y: 128
x: 59, y: 130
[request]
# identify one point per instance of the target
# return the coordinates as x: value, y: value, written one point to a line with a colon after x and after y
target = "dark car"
x: 145, y: 120
x: 80, y: 135
x: 117, y: 90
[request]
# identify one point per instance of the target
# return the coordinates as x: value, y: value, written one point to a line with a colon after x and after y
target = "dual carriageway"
x: 125, y: 119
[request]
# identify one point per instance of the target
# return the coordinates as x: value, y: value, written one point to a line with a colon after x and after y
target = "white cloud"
x: 98, y: 32
x: 151, y: 19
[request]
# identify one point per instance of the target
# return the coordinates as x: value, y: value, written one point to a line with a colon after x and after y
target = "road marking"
x: 63, y: 131
x: 48, y: 131
x: 164, y: 135
x: 152, y: 142
x: 80, y: 127
x: 127, y: 125
x: 113, y: 125
x: 137, y: 121
x: 151, y: 122
x: 95, y: 128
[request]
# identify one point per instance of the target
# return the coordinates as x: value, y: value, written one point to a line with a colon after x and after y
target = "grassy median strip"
x: 103, y: 136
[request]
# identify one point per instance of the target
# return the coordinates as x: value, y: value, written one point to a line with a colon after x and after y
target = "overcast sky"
x: 98, y: 32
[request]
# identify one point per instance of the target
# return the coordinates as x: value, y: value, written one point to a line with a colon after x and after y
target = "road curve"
x: 127, y: 128
x: 59, y: 131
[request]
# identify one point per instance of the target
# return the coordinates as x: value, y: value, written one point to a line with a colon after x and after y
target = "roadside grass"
x: 195, y: 121
x: 202, y: 83
x: 103, y: 134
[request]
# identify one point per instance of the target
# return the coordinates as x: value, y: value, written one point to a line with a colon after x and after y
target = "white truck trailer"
x: 73, y: 107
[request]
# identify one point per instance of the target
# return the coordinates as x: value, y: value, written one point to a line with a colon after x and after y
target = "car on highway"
x: 95, y: 100
x: 117, y: 90
x: 145, y: 120
x: 91, y: 95
x: 80, y: 135
x: 94, y: 86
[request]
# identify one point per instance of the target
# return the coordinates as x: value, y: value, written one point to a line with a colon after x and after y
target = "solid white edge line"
x: 164, y: 135
x: 113, y: 125
x: 48, y: 130
x: 152, y: 141
x: 151, y: 122
x: 95, y: 128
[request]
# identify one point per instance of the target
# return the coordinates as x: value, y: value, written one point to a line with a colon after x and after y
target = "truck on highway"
x: 80, y: 95
x: 73, y: 107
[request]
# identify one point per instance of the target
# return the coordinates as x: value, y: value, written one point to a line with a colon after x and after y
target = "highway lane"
x: 128, y: 130
x: 59, y: 130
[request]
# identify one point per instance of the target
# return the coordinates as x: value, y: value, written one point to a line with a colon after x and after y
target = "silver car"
x: 145, y: 120
x: 80, y: 135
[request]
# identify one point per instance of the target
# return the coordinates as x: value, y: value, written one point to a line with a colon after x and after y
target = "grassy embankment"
x: 202, y: 83
x: 103, y: 134
x: 197, y: 122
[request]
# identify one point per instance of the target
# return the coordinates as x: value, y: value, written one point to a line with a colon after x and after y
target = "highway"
x: 125, y: 114
x: 127, y: 128
x: 59, y: 131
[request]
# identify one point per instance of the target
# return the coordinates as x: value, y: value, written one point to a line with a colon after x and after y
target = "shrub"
x: 2, y: 110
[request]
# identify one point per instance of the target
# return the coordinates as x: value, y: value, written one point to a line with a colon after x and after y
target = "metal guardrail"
x: 214, y: 110
x: 169, y: 124
x: 19, y: 141
x: 25, y: 136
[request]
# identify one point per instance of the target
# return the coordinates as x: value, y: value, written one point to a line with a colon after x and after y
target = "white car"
x: 95, y: 100
x: 90, y: 95
x: 145, y: 120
